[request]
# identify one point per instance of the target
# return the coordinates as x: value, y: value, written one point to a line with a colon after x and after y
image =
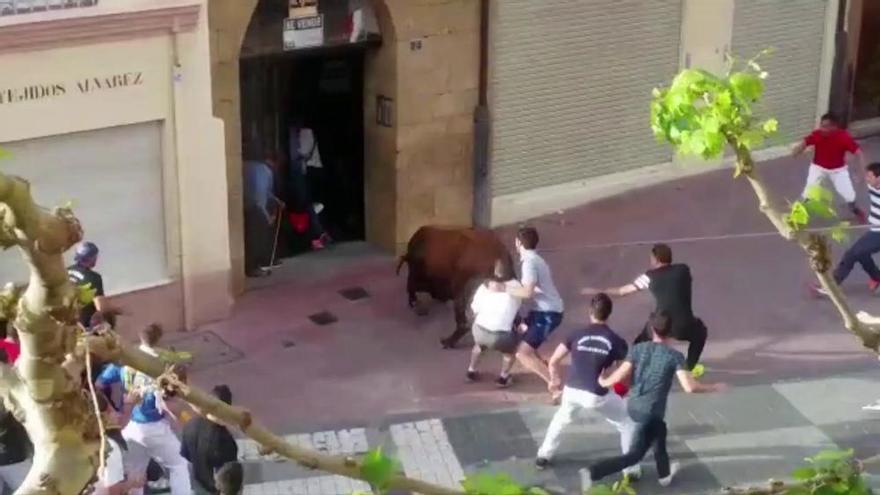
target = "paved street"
x: 374, y: 373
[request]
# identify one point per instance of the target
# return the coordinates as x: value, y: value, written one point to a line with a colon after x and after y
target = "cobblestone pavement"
x: 746, y: 435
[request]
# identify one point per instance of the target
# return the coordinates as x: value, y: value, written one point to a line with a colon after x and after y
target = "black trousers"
x: 258, y: 239
x: 650, y: 433
x: 695, y: 335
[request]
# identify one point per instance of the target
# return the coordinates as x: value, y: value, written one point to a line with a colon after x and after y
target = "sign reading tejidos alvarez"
x: 87, y: 85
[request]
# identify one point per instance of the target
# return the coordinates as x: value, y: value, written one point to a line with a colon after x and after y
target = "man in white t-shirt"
x: 494, y: 316
x: 547, y: 308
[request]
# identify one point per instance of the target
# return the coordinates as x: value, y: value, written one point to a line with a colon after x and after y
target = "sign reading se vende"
x: 303, y: 32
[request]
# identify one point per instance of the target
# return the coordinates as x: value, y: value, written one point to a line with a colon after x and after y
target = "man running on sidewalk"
x: 547, y: 306
x: 868, y: 244
x: 652, y: 366
x: 593, y: 350
x: 831, y: 144
x: 670, y: 284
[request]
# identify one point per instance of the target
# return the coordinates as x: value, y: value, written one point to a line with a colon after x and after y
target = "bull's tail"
x: 400, y: 261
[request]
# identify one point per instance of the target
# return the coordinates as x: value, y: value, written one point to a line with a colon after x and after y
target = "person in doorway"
x: 230, y: 479
x: 260, y: 214
x: 9, y: 341
x: 149, y: 433
x: 593, y: 350
x: 547, y: 307
x: 305, y: 155
x: 15, y: 447
x: 208, y: 446
x: 652, y: 365
x: 495, y: 314
x: 671, y: 285
x: 831, y: 143
x: 863, y: 250
x: 82, y: 274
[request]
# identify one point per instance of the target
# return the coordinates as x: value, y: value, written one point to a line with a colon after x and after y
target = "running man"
x: 149, y: 433
x: 652, y: 366
x: 593, y: 350
x: 547, y: 307
x: 863, y: 250
x: 671, y: 285
x: 831, y: 144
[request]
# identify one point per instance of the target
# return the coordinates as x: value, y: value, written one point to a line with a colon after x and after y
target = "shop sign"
x: 303, y: 32
x: 86, y: 85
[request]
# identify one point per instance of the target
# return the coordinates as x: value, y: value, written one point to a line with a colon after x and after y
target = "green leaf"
x: 378, y: 469
x: 798, y: 490
x: 600, y: 490
x: 834, y: 455
x: 804, y: 474
x: 798, y: 216
x: 840, y: 232
x: 537, y: 491
x: 818, y: 193
x: 747, y: 87
x: 770, y: 126
x: 820, y: 209
x: 4, y: 154
x: 752, y: 139
x: 491, y: 484
x: 698, y: 371
x: 85, y: 293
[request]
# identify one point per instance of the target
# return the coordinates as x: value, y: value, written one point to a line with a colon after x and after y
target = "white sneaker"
x: 673, y: 468
x: 634, y: 472
x: 872, y: 407
x: 586, y: 480
x: 319, y: 207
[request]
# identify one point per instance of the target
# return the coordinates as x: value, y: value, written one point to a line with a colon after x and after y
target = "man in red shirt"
x: 831, y: 144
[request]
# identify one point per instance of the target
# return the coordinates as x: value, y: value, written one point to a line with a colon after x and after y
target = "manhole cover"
x: 323, y: 318
x: 354, y: 293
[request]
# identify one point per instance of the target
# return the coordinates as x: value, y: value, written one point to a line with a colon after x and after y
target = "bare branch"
x: 109, y: 348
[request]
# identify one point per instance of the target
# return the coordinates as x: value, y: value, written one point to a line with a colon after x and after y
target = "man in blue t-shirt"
x: 653, y: 366
x: 149, y: 433
x: 593, y: 350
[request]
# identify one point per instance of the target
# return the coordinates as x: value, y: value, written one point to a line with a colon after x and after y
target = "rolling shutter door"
x: 571, y: 87
x: 113, y: 176
x: 795, y: 31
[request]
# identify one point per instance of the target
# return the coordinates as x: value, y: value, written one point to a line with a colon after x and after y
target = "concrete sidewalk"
x: 336, y: 346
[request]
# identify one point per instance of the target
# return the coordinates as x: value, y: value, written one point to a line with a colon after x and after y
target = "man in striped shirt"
x: 863, y: 249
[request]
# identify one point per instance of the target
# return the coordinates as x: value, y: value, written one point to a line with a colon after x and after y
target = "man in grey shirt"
x: 547, y: 307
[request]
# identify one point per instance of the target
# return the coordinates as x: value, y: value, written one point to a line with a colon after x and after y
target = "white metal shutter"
x: 795, y: 31
x: 571, y: 87
x: 113, y: 177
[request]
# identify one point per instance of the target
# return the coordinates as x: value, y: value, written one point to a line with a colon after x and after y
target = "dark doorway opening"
x: 866, y: 91
x: 319, y: 91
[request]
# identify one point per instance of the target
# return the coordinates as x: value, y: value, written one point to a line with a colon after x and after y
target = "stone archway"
x: 228, y: 21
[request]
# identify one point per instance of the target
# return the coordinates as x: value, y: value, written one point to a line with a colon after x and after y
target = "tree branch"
x: 816, y: 248
x: 107, y: 347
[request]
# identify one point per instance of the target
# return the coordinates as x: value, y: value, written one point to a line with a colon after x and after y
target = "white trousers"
x: 610, y: 406
x: 839, y: 178
x: 13, y: 475
x: 158, y: 441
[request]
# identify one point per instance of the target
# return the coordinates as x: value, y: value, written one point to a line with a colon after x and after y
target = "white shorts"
x: 839, y: 178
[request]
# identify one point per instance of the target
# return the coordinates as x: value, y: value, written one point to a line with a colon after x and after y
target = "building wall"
x: 168, y: 47
x: 418, y: 171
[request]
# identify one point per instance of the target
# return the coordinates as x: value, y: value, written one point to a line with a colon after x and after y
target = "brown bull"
x: 449, y: 263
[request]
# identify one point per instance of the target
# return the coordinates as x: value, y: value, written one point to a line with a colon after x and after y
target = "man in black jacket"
x: 670, y: 284
x: 208, y: 446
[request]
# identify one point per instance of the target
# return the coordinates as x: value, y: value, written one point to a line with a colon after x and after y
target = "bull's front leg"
x: 461, y: 323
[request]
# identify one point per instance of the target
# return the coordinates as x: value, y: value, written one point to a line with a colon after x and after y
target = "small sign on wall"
x: 384, y: 111
x: 303, y: 32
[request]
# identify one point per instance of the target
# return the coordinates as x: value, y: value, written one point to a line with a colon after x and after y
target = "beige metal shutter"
x: 571, y: 87
x: 795, y: 30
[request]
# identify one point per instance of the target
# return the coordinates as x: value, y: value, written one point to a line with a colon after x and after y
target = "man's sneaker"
x: 542, y: 463
x: 873, y: 285
x: 673, y: 468
x: 586, y: 479
x: 872, y: 407
x: 818, y: 290
x: 504, y: 381
x: 473, y: 376
x: 634, y: 473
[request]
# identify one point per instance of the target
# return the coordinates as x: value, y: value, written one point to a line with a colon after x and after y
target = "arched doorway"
x: 354, y: 75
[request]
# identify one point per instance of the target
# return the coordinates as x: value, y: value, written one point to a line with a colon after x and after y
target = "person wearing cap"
x: 82, y: 274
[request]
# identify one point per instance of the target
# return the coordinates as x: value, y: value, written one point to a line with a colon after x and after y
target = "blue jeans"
x: 650, y: 433
x: 860, y: 252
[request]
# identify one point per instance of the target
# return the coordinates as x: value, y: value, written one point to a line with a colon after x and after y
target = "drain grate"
x: 323, y: 318
x: 354, y: 293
